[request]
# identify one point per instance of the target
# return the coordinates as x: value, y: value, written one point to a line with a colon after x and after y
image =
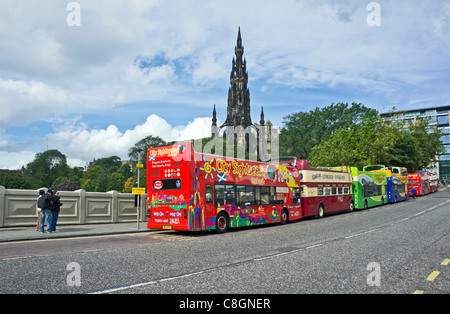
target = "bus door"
x: 210, y: 210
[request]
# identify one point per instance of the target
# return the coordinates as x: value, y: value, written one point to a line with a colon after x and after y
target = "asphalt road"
x: 402, y: 248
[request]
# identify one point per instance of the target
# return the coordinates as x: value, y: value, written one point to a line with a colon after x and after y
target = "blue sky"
x: 137, y: 68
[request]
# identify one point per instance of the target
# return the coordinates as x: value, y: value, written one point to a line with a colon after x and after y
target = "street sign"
x: 139, y: 191
x: 140, y: 165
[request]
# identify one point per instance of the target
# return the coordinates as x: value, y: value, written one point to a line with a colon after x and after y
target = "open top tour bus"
x: 369, y: 188
x: 397, y: 184
x: 420, y: 181
x: 434, y: 182
x: 192, y: 191
x: 324, y: 190
x: 396, y: 179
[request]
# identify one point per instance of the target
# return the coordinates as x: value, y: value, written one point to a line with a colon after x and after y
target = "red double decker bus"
x: 193, y: 192
x: 325, y: 190
x: 420, y: 181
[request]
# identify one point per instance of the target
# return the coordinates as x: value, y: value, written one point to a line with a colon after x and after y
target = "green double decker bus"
x: 369, y: 188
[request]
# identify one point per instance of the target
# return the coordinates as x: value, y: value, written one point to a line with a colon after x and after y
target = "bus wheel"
x: 366, y: 205
x: 352, y: 206
x: 284, y: 218
x: 222, y: 223
x: 320, y: 211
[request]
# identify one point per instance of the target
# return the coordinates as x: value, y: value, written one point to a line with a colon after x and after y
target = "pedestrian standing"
x: 414, y: 192
x: 46, y: 213
x: 55, y: 208
x: 39, y: 208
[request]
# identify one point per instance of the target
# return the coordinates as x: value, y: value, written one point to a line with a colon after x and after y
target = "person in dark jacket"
x: 55, y: 208
x: 414, y: 192
x: 46, y: 212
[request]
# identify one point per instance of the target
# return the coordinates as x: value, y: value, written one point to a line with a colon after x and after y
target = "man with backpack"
x: 46, y: 213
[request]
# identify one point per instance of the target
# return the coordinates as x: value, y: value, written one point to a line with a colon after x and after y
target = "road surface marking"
x: 362, y: 233
x: 446, y: 262
x: 433, y: 276
x: 149, y: 283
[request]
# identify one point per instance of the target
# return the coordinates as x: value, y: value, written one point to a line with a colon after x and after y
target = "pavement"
x: 11, y: 234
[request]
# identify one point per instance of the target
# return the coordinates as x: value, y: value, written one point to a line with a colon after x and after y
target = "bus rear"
x: 168, y: 180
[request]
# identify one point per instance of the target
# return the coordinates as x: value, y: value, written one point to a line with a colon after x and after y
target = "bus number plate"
x: 167, y: 227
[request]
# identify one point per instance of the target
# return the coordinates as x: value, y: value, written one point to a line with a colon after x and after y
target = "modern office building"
x: 440, y: 117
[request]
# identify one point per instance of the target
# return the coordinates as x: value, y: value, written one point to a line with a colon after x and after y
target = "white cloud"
x: 81, y: 144
x: 294, y: 46
x: 78, y: 142
x: 299, y: 44
x: 23, y: 102
x: 15, y: 160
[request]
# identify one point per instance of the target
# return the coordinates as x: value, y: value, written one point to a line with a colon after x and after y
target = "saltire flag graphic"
x: 222, y: 177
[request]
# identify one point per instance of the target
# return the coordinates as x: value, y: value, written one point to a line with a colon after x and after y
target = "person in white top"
x: 38, y: 223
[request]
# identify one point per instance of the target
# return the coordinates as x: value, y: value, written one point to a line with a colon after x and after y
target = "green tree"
x: 91, y: 179
x: 427, y: 140
x: 129, y: 184
x: 116, y: 182
x: 12, y: 180
x: 303, y: 131
x: 374, y: 141
x: 45, y: 168
x: 88, y: 185
x: 106, y: 174
x: 143, y: 145
x: 109, y: 162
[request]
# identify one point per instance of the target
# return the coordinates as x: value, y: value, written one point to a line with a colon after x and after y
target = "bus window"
x: 273, y: 195
x: 296, y: 195
x: 219, y: 197
x: 245, y: 195
x: 278, y: 198
x: 240, y: 192
x: 319, y: 191
x: 257, y: 195
x: 265, y: 195
x: 230, y: 196
x: 209, y: 194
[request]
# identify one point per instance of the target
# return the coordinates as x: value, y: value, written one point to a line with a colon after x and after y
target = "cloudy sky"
x: 156, y: 67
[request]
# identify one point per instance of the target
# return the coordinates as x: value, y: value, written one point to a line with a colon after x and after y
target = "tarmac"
x: 14, y: 234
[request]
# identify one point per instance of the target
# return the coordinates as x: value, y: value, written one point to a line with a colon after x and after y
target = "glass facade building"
x: 438, y: 116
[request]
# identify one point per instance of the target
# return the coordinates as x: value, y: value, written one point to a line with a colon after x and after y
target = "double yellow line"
x: 433, y: 275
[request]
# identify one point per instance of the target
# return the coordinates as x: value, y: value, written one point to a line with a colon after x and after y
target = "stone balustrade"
x: 18, y: 207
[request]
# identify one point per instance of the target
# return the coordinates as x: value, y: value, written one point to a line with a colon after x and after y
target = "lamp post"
x: 139, y: 165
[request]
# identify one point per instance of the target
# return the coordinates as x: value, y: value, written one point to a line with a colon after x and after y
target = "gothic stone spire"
x: 238, y: 111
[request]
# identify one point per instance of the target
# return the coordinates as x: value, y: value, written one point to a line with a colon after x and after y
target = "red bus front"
x: 169, y: 178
